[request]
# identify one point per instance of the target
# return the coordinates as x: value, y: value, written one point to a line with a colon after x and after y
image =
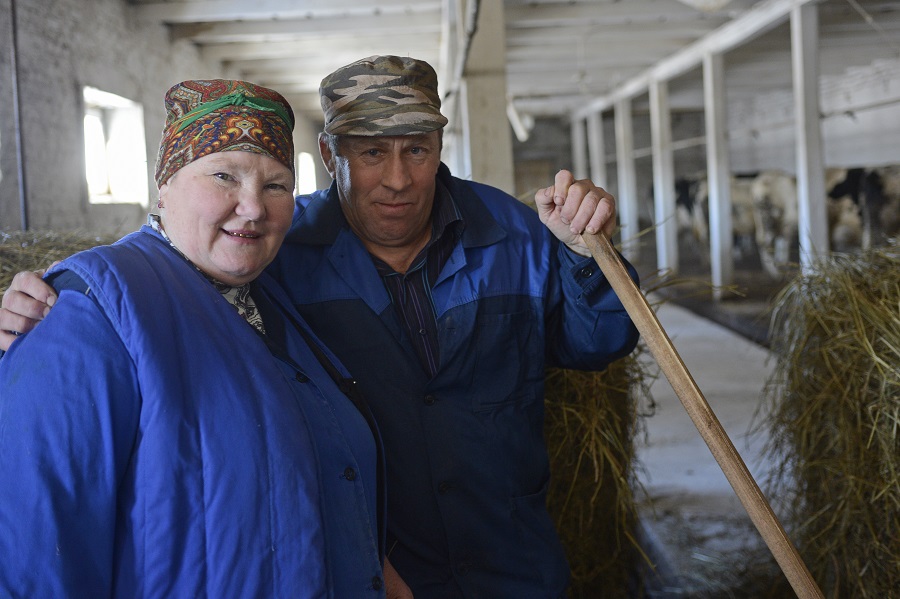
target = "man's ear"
x: 327, y: 156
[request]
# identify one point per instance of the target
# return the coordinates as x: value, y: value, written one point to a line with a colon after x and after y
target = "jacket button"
x: 376, y: 583
x: 300, y: 377
x: 429, y: 400
x: 444, y: 487
x: 587, y: 271
x: 350, y: 473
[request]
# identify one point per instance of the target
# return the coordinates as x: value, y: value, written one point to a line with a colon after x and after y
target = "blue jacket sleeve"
x: 69, y: 409
x: 588, y: 326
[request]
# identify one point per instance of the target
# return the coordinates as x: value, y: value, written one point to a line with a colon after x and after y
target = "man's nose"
x: 396, y: 174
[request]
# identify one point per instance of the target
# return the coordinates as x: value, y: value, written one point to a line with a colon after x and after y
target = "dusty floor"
x: 709, y: 547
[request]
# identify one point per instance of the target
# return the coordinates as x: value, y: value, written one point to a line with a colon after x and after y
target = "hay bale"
x: 34, y: 250
x: 590, y: 426
x: 833, y: 409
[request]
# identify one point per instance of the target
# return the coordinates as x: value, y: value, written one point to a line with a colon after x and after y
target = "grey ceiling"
x: 560, y: 54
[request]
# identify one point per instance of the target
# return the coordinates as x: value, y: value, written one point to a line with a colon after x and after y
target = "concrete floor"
x: 706, y: 542
x: 730, y: 372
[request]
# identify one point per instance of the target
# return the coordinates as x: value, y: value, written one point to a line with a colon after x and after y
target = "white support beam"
x: 627, y: 201
x: 718, y: 171
x: 663, y: 178
x: 812, y: 207
x: 579, y: 149
x: 762, y: 17
x: 597, y: 150
x: 208, y: 11
x: 489, y: 132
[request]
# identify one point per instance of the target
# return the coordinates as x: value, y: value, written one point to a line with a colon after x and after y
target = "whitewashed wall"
x: 860, y: 124
x: 64, y: 45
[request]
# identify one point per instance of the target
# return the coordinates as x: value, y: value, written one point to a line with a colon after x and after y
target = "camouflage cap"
x: 382, y: 95
x: 218, y: 115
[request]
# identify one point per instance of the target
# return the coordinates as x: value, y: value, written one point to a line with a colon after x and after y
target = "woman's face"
x: 228, y: 212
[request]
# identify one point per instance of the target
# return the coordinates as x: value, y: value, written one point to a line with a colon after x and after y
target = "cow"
x: 690, y: 216
x: 742, y: 222
x: 774, y: 196
x: 882, y: 192
x: 764, y: 213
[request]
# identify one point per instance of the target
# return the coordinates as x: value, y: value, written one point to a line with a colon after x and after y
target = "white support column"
x: 455, y: 152
x: 488, y: 131
x: 663, y: 178
x: 718, y: 169
x: 812, y: 209
x: 627, y: 199
x: 579, y: 149
x: 597, y: 149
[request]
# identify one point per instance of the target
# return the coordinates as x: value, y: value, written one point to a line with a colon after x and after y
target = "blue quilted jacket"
x: 152, y: 444
x: 467, y: 467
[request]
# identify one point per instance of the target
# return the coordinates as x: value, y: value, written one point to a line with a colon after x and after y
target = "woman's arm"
x: 69, y: 408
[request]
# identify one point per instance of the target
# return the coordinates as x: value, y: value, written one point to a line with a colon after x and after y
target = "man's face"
x: 386, y: 186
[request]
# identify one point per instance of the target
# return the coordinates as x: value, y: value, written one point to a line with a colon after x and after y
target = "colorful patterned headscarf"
x: 382, y: 95
x: 219, y: 115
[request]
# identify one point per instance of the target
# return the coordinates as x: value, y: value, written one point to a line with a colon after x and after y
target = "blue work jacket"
x: 153, y: 444
x: 467, y: 466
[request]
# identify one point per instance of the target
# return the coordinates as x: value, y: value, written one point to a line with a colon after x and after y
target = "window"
x: 306, y: 173
x: 115, y: 150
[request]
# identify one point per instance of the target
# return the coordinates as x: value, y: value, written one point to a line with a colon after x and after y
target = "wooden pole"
x: 704, y: 419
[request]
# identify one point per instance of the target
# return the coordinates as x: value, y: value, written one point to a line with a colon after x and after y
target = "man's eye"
x: 373, y: 152
x: 277, y: 186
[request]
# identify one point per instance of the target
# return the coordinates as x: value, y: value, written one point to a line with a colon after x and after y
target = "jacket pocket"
x: 509, y: 360
x: 540, y: 548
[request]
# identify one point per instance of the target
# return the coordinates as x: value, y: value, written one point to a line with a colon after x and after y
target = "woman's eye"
x: 223, y: 176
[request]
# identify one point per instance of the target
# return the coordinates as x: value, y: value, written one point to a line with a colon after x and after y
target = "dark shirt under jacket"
x: 411, y: 291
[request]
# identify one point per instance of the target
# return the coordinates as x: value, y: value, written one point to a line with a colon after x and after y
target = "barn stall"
x: 763, y: 193
x: 791, y: 86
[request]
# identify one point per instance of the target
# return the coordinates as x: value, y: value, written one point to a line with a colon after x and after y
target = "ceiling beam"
x: 408, y: 44
x: 202, y: 11
x: 424, y: 23
x: 612, y: 14
x: 706, y: 5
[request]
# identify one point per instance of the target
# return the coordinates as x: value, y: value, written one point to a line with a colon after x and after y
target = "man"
x: 446, y: 299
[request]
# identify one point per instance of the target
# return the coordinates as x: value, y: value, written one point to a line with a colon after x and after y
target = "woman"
x: 173, y: 429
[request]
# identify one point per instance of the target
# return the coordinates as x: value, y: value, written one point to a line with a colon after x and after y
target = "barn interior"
x: 744, y: 141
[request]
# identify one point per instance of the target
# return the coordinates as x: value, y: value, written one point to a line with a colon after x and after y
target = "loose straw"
x: 704, y: 419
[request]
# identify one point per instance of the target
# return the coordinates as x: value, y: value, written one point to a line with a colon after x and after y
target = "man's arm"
x: 27, y: 301
x: 588, y: 326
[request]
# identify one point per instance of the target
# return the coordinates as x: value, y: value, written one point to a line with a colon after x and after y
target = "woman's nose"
x: 251, y: 205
